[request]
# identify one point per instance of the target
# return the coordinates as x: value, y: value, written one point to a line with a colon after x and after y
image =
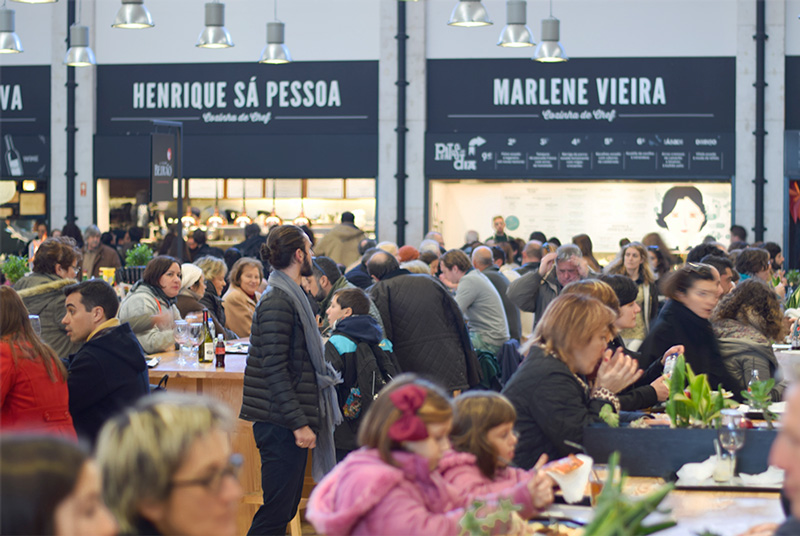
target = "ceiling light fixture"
x: 516, y: 32
x: 469, y: 14
x: 215, y: 35
x: 133, y: 15
x: 549, y: 50
x: 9, y: 40
x: 79, y: 53
x: 35, y: 1
x: 275, y: 53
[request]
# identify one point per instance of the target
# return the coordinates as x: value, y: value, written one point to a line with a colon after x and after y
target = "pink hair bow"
x: 409, y: 427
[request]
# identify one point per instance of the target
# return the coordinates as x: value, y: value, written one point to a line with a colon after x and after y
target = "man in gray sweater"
x: 478, y: 300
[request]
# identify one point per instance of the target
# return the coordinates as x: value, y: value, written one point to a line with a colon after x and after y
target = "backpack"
x: 368, y: 369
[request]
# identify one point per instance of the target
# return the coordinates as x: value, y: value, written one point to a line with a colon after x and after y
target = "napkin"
x: 574, y: 484
x: 697, y: 472
x: 771, y: 476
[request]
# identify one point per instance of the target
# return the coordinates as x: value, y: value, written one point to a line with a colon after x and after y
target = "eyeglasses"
x: 213, y: 482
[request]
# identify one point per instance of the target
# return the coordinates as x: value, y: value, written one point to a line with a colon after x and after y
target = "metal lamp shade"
x: 35, y: 1
x: 469, y: 13
x: 275, y: 52
x: 9, y: 40
x: 549, y: 50
x: 516, y: 33
x: 133, y: 15
x: 215, y: 35
x: 79, y: 53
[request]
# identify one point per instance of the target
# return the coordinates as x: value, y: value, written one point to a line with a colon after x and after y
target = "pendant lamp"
x: 215, y: 35
x: 549, y: 50
x: 516, y: 32
x: 276, y: 52
x: 469, y: 13
x: 9, y: 41
x: 133, y: 15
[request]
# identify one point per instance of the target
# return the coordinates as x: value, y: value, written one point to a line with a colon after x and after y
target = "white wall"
x: 596, y: 29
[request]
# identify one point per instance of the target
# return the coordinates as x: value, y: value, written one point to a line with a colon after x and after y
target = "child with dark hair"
x: 364, y: 358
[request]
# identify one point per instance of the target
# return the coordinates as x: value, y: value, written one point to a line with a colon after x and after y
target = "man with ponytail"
x: 289, y: 392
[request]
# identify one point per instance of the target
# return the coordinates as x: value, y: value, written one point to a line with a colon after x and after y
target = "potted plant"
x: 135, y: 261
x: 660, y: 451
x: 14, y: 268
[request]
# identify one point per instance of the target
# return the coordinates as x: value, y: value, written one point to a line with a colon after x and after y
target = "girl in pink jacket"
x: 390, y: 487
x: 483, y: 443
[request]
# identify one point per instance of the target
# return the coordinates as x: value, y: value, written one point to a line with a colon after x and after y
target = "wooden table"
x: 225, y: 384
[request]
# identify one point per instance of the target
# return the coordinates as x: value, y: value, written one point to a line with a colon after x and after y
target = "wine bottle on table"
x: 206, y: 354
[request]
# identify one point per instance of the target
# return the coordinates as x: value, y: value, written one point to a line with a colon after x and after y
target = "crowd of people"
x: 423, y: 378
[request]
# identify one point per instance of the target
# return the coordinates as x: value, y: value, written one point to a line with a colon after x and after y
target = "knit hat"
x: 407, y: 253
x: 190, y: 274
x: 623, y: 286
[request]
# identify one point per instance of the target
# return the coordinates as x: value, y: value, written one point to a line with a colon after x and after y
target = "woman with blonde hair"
x: 242, y: 296
x: 214, y: 271
x: 168, y: 467
x: 633, y: 262
x: 747, y: 321
x: 550, y: 390
x: 33, y: 381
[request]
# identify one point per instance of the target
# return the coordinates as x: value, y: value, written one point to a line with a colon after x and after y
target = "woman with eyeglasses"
x: 693, y: 291
x: 632, y: 261
x: 168, y: 467
x: 55, y: 265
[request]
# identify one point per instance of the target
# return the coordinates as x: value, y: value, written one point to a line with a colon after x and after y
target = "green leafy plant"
x: 609, y: 416
x: 691, y: 401
x: 616, y: 514
x: 793, y: 277
x: 760, y: 399
x: 15, y: 267
x: 139, y: 255
x: 480, y: 519
x: 794, y: 299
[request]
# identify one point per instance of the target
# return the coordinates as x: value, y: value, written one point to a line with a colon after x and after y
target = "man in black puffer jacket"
x: 280, y: 388
x: 424, y: 323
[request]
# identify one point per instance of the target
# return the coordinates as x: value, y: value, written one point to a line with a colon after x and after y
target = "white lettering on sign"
x: 162, y: 170
x: 10, y: 97
x: 177, y: 95
x: 621, y: 91
x: 306, y: 94
x: 454, y: 153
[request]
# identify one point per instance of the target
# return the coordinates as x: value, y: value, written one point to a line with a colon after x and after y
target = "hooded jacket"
x: 43, y: 295
x: 358, y: 370
x: 138, y: 308
x: 461, y: 471
x: 744, y: 349
x: 106, y: 375
x: 365, y: 495
x: 341, y: 244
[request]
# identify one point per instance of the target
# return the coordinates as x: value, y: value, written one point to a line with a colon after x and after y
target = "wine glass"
x: 195, y: 336
x: 180, y: 331
x: 731, y: 435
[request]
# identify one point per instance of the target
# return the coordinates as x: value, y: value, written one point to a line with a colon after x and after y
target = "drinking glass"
x: 195, y: 336
x: 180, y: 331
x: 731, y: 435
x: 36, y: 324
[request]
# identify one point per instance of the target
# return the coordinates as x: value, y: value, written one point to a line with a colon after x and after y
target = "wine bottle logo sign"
x: 13, y: 158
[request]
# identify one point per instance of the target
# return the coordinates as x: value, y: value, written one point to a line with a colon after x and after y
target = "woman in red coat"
x: 33, y: 381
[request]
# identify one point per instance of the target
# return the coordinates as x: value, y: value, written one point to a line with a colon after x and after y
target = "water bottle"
x: 669, y: 365
x: 753, y: 378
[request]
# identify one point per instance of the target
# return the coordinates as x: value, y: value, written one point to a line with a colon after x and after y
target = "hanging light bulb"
x: 275, y: 52
x: 79, y: 53
x: 35, y: 1
x: 9, y: 41
x: 301, y: 219
x: 133, y: 15
x: 516, y: 33
x: 273, y: 220
x: 469, y: 13
x: 189, y: 219
x: 243, y: 219
x: 549, y: 50
x: 215, y: 35
x: 215, y: 220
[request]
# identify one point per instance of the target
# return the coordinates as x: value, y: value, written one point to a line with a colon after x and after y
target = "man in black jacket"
x: 424, y: 323
x: 108, y: 373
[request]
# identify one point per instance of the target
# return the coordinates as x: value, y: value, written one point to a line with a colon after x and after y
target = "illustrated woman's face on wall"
x: 686, y: 219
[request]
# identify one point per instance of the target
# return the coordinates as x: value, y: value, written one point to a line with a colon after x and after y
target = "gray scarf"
x: 324, y: 457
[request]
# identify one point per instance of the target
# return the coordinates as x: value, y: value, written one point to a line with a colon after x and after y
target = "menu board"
x: 607, y: 211
x: 584, y: 155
